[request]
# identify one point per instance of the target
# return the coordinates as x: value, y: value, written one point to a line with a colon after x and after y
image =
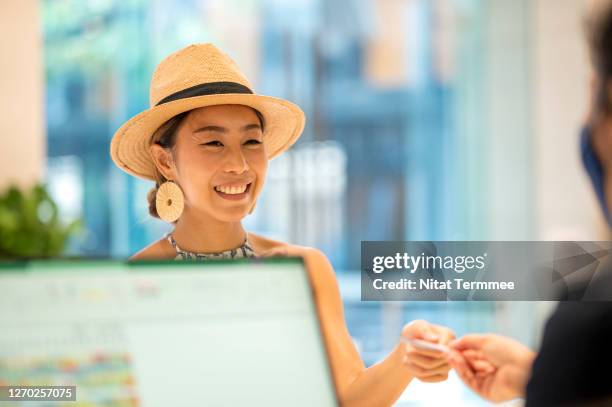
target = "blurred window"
x: 394, y: 97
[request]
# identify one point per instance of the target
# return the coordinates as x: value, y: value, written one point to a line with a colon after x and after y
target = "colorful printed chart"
x: 101, y: 379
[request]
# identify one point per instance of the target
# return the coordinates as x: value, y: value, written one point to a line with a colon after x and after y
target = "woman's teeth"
x: 233, y: 190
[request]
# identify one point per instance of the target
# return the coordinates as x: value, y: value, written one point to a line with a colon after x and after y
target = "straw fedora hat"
x: 197, y: 76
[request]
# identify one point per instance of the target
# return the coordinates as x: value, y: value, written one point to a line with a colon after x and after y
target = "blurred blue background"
x: 426, y: 120
x: 391, y: 90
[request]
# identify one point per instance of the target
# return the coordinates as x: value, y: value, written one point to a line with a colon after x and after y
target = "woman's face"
x: 220, y: 161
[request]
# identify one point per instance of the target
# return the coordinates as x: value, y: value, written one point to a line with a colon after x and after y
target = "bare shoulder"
x: 157, y: 250
x: 316, y: 261
x: 263, y: 245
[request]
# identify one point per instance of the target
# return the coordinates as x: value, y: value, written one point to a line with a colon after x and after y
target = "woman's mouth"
x: 233, y: 192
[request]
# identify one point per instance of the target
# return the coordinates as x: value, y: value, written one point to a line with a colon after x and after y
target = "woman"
x: 206, y: 141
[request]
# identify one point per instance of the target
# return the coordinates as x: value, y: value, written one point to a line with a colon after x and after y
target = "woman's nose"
x: 235, y: 162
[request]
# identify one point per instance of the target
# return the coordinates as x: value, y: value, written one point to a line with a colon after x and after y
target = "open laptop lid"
x: 227, y: 332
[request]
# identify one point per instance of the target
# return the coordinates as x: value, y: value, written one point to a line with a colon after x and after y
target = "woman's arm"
x: 383, y: 383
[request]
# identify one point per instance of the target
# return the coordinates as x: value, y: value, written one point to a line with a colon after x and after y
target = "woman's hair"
x: 599, y: 31
x: 165, y: 136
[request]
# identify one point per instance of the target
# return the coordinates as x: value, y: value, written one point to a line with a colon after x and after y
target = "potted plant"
x: 30, y: 226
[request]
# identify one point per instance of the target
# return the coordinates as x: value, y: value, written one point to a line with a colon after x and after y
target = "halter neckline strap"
x: 245, y: 250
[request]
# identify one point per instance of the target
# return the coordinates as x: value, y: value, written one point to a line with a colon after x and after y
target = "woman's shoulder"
x: 158, y: 250
x: 264, y: 245
x: 314, y: 258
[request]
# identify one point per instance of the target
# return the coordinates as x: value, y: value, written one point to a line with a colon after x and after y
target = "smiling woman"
x: 206, y: 142
x: 212, y: 152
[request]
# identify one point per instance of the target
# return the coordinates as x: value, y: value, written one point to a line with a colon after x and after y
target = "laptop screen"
x: 239, y: 332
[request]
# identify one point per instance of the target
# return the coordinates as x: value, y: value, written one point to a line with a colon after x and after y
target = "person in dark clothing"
x: 573, y: 367
x: 596, y: 135
x: 574, y: 364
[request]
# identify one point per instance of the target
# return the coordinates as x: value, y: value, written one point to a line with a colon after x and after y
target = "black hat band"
x: 212, y: 88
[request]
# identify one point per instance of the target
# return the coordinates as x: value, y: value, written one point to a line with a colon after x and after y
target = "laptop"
x: 220, y: 333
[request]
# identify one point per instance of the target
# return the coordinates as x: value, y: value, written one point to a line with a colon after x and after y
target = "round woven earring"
x: 169, y: 201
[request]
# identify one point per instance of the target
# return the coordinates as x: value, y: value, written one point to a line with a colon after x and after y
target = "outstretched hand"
x: 426, y: 365
x: 495, y: 367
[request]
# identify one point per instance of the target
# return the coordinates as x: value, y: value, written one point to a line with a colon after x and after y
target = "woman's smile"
x: 233, y: 192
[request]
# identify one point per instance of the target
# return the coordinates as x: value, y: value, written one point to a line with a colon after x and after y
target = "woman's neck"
x: 203, y: 234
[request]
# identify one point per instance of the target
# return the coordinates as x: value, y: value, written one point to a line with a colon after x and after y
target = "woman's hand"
x: 426, y: 365
x: 495, y: 367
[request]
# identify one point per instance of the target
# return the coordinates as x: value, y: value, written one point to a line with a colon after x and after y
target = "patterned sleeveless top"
x: 243, y: 251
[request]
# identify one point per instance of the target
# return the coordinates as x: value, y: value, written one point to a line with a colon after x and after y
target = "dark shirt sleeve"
x: 574, y: 365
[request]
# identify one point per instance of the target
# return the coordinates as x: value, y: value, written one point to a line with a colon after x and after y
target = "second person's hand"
x: 495, y: 367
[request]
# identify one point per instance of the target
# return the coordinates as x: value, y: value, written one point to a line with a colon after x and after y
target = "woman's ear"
x: 163, y: 161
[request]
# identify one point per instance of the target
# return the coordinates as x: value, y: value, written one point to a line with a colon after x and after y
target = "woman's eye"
x: 253, y: 142
x: 213, y: 144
